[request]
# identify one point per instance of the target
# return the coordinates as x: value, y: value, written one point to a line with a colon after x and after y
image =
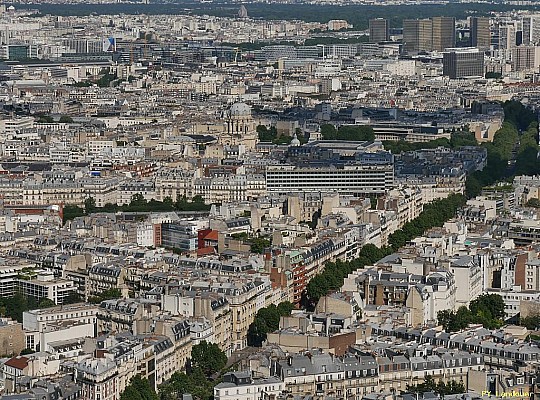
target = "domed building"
x: 241, y: 129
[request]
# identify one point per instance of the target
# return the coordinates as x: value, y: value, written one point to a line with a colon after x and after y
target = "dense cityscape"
x: 319, y: 200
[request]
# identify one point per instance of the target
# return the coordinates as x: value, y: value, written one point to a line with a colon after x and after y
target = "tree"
x: 66, y: 119
x: 318, y: 287
x: 106, y: 295
x: 491, y: 304
x: 70, y: 212
x: 328, y: 130
x: 258, y: 245
x: 264, y: 134
x: 197, y: 199
x: 45, y: 119
x: 371, y: 252
x: 194, y: 383
x: 89, y: 205
x: 348, y: 132
x: 441, y: 388
x: 72, y: 298
x: 531, y: 322
x: 46, y: 303
x: 139, y: 389
x: 333, y: 275
x: 267, y: 321
x: 314, y: 219
x: 208, y: 357
x: 137, y: 200
x: 535, y: 203
x: 285, y: 308
x: 518, y: 115
x: 257, y: 332
x: 487, y: 309
x: 168, y: 202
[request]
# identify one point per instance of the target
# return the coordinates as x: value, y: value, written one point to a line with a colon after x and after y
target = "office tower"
x: 507, y: 38
x: 480, y: 32
x: 417, y: 35
x: 444, y: 33
x: 526, y: 58
x: 531, y: 29
x: 378, y: 30
x: 463, y: 63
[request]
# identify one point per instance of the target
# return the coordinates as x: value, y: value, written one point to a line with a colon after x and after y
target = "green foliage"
x: 457, y: 139
x: 334, y: 273
x: 27, y: 351
x: 518, y: 115
x: 527, y: 158
x: 504, y: 140
x: 139, y: 389
x: 46, y: 303
x: 492, y: 305
x: 493, y: 75
x: 138, y: 204
x: 106, y: 295
x: 208, y: 357
x: 195, y: 383
x: 82, y: 84
x: 267, y: 321
x: 265, y: 134
x: 434, y: 214
x: 14, y: 306
x: 519, y: 127
x: 348, y: 132
x: 45, y: 119
x: 314, y: 219
x: 89, y: 205
x: 71, y: 212
x: 531, y: 322
x: 462, y: 138
x: 106, y: 80
x: 271, y: 135
x: 487, y: 309
x: 258, y: 245
x: 356, y: 14
x: 196, y: 204
x: 72, y: 298
x: 328, y: 130
x: 535, y: 203
x: 66, y: 119
x: 240, y: 236
x: 440, y: 388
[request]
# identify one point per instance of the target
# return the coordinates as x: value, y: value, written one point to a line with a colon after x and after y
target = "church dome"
x: 240, y: 110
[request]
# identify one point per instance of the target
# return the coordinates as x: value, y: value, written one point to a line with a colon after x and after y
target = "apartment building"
x: 37, y: 322
x: 11, y: 337
x: 326, y: 375
x: 120, y: 315
x: 241, y: 386
x: 214, y: 307
x: 103, y: 277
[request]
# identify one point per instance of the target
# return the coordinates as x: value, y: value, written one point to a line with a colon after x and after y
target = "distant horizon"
x: 356, y: 14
